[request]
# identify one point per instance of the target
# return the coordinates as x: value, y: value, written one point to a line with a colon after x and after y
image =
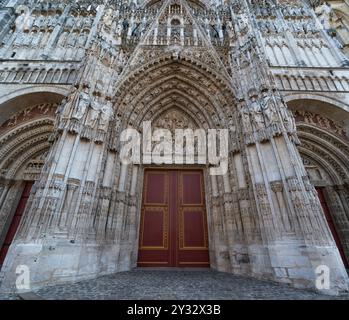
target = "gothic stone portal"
x: 170, y: 63
x: 173, y: 228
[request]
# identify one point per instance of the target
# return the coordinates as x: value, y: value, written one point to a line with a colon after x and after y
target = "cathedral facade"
x: 76, y: 75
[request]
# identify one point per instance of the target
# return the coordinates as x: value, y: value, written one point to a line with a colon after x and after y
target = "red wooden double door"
x: 173, y: 228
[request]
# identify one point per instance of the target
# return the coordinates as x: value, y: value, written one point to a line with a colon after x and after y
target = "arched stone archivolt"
x: 177, y: 83
x: 320, y: 171
x: 329, y: 106
x: 24, y: 144
x: 18, y: 143
x: 325, y: 151
x: 201, y: 61
x: 196, y: 70
x: 328, y: 154
x: 14, y: 101
x: 181, y: 100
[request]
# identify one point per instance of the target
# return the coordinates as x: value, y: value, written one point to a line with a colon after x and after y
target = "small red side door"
x: 331, y: 225
x: 15, y: 221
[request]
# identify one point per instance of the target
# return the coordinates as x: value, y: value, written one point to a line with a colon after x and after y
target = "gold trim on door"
x: 165, y: 226
x: 181, y: 229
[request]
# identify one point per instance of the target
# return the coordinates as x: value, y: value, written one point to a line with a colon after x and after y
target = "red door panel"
x: 193, y: 242
x: 15, y: 221
x: 193, y: 228
x: 173, y: 229
x: 155, y: 224
x: 154, y: 228
x: 191, y: 187
x: 331, y: 225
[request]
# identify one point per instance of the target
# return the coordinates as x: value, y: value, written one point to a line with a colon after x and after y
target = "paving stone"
x: 143, y: 284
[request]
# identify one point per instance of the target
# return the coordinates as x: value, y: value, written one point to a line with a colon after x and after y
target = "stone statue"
x: 20, y: 21
x: 268, y: 107
x: 257, y: 113
x: 70, y: 23
x: 83, y: 103
x: 61, y: 106
x: 28, y: 21
x: 82, y: 38
x: 117, y: 124
x: 71, y: 39
x: 52, y: 21
x: 106, y: 115
x: 243, y: 22
x: 118, y: 31
x: 93, y: 113
x: 281, y: 107
x: 230, y: 31
x: 245, y: 118
x: 291, y: 122
x: 69, y: 102
x: 108, y: 18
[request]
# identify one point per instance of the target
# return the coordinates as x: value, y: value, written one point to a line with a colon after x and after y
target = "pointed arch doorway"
x: 173, y: 227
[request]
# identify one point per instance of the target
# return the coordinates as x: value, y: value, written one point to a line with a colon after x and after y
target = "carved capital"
x: 277, y: 186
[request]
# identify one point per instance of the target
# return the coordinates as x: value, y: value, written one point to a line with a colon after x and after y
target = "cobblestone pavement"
x: 4, y: 296
x: 143, y: 284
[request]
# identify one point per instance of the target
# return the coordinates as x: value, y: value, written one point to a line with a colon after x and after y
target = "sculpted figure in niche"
x: 20, y: 20
x: 243, y: 22
x: 118, y: 31
x: 39, y: 22
x: 143, y: 27
x: 88, y: 22
x: 257, y: 113
x: 19, y: 39
x: 28, y: 21
x: 62, y: 106
x: 27, y: 39
x: 245, y: 118
x: 286, y: 115
x: 52, y: 21
x: 230, y: 31
x: 290, y: 123
x: 82, y: 104
x: 106, y: 115
x: 62, y: 38
x: 82, y: 38
x: 93, y: 112
x: 282, y: 107
x: 108, y: 18
x: 268, y: 107
x: 117, y: 124
x: 70, y: 23
x: 231, y: 125
x: 71, y: 39
x: 36, y: 38
x: 66, y: 108
x: 78, y: 24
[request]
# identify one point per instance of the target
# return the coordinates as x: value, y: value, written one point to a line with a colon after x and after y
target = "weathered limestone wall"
x: 264, y: 216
